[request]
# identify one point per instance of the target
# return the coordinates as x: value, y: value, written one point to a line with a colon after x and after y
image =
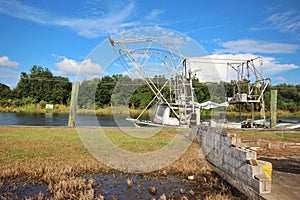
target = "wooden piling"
x: 73, y: 104
x: 273, y: 108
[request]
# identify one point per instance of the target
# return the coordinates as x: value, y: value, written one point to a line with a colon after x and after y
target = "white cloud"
x: 112, y: 22
x: 254, y: 46
x: 72, y: 67
x: 280, y: 78
x: 6, y: 62
x: 9, y: 77
x: 154, y: 14
x: 18, y: 10
x: 288, y: 22
x: 215, y: 68
x: 272, y: 66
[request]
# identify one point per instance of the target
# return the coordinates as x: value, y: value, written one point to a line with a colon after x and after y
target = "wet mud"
x: 115, y: 186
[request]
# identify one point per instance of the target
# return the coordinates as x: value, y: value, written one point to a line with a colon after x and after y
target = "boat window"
x: 160, y: 111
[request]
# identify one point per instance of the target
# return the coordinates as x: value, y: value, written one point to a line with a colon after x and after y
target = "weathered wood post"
x: 73, y: 104
x: 273, y: 109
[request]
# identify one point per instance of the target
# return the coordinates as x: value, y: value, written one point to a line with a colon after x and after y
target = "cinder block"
x: 241, y: 176
x: 244, y: 167
x: 256, y: 170
x: 250, y: 154
x: 254, y: 184
x: 264, y: 184
x: 240, y: 163
x: 240, y: 154
x: 228, y: 141
x: 266, y: 168
x: 252, y: 162
x: 233, y: 140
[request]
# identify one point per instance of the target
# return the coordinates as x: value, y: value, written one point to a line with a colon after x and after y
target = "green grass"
x: 141, y: 145
x: 50, y: 154
x: 23, y: 143
x: 36, y: 143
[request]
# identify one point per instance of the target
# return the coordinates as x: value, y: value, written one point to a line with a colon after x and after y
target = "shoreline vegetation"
x: 107, y: 111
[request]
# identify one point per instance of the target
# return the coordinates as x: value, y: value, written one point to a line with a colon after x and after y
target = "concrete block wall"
x: 237, y: 165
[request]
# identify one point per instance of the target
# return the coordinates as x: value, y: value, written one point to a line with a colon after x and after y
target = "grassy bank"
x: 35, y: 108
x: 56, y: 157
x: 58, y: 108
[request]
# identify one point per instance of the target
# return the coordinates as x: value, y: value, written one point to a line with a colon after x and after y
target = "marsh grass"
x: 56, y: 157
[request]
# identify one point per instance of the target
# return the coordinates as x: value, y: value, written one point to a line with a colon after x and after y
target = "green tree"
x: 40, y: 84
x: 104, y: 91
x: 5, y: 92
x: 61, y: 90
x: 86, y: 93
x: 201, y: 91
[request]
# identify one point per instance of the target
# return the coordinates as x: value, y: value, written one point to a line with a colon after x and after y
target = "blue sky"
x: 61, y: 34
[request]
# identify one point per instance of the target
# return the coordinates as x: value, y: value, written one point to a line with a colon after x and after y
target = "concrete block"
x: 241, y: 176
x: 244, y: 154
x: 252, y: 162
x: 228, y: 141
x: 242, y: 167
x: 264, y: 184
x: 254, y: 184
x: 240, y: 154
x: 266, y: 168
x: 239, y: 163
x: 256, y: 170
x: 233, y: 141
x: 250, y: 154
x: 232, y: 161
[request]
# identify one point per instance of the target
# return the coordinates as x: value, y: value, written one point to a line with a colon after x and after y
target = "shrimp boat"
x: 173, y: 95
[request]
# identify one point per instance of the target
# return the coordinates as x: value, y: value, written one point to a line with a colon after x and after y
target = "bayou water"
x: 58, y: 119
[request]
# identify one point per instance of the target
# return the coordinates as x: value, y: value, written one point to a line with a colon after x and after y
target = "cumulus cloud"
x: 255, y: 46
x: 6, y: 62
x: 215, y: 67
x: 71, y: 67
x: 9, y: 77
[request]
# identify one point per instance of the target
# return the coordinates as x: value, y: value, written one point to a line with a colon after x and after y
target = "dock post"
x: 73, y: 104
x: 273, y: 108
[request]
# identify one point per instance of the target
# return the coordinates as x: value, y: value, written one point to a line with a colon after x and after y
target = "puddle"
x: 171, y: 186
x: 22, y: 190
x: 115, y: 186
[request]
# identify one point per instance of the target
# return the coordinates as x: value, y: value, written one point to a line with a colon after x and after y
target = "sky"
x: 60, y: 35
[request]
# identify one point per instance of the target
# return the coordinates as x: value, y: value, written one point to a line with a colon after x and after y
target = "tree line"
x: 40, y: 86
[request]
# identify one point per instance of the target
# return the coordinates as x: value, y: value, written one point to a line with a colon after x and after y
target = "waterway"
x: 58, y: 119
